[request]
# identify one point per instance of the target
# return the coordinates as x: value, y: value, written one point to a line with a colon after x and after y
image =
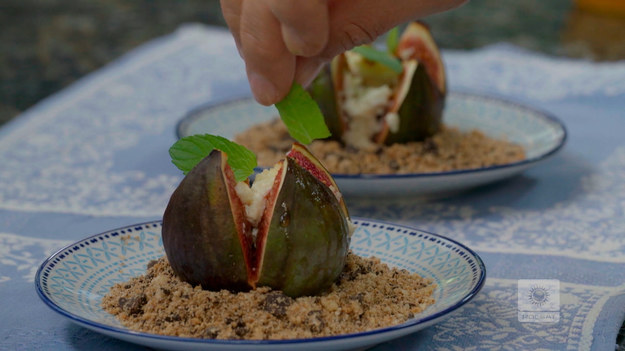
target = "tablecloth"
x: 94, y: 157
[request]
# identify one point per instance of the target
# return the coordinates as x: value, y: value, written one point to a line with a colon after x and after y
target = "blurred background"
x: 45, y: 45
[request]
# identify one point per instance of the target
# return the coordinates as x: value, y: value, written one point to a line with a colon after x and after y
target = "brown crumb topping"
x: 450, y: 149
x: 367, y: 295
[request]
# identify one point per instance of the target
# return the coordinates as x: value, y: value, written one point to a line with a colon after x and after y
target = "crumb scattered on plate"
x: 367, y: 295
x: 448, y: 150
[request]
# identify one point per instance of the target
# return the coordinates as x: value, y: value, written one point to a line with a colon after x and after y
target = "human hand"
x: 282, y: 41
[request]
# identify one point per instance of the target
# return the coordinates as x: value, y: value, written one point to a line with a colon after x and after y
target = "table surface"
x: 94, y: 157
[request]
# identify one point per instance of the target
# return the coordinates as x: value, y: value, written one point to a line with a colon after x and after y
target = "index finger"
x: 231, y: 10
x: 304, y: 24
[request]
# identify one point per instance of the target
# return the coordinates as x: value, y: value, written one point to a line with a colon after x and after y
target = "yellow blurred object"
x: 604, y: 7
x: 593, y: 35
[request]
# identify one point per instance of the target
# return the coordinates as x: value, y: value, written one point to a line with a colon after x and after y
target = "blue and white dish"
x: 539, y: 133
x: 73, y: 281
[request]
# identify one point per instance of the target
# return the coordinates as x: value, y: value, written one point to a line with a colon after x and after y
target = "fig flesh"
x: 289, y: 230
x: 368, y: 104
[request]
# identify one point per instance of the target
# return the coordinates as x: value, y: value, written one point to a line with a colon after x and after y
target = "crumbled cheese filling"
x: 254, y: 197
x: 362, y: 106
x: 392, y: 121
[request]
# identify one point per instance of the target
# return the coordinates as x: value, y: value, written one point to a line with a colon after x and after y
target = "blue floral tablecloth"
x: 94, y: 157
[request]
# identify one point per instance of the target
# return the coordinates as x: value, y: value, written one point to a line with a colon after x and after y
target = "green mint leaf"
x: 382, y: 57
x: 392, y: 40
x: 187, y: 152
x: 302, y: 116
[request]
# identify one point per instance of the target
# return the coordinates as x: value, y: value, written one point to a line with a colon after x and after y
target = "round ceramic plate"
x: 74, y: 280
x: 540, y: 134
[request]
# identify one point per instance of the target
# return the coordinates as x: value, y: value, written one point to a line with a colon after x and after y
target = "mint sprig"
x: 302, y: 116
x: 382, y: 57
x: 392, y: 40
x: 187, y: 152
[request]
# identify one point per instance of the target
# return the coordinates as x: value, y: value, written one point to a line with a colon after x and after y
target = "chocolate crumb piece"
x: 449, y: 149
x: 134, y: 304
x: 429, y: 146
x: 368, y: 295
x: 211, y: 333
x: 394, y: 165
x: 350, y: 275
x: 358, y: 297
x: 175, y: 317
x: 151, y: 263
x: 315, y: 321
x: 240, y: 329
x: 276, y: 303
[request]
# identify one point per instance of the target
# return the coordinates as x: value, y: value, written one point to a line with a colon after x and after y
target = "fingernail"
x: 264, y: 91
x: 308, y: 72
x: 298, y: 46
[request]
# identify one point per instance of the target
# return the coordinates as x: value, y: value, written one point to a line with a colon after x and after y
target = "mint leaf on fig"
x: 189, y: 151
x: 302, y: 116
x: 382, y: 57
x: 392, y: 40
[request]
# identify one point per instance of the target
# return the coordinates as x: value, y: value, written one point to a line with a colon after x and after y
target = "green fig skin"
x: 308, y: 236
x: 200, y: 237
x: 307, y: 160
x: 424, y: 102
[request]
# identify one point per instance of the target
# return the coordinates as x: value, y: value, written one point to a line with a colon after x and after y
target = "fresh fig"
x: 419, y: 96
x: 289, y: 230
x: 417, y: 43
x: 324, y: 90
x: 368, y: 104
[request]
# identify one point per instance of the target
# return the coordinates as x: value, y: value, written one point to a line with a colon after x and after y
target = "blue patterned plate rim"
x: 414, y: 322
x: 196, y: 113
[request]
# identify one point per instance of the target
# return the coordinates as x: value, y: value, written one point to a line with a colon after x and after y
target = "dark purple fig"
x: 417, y: 95
x: 419, y: 99
x: 289, y: 230
x: 204, y: 226
x: 300, y: 154
x: 366, y: 103
x: 417, y: 43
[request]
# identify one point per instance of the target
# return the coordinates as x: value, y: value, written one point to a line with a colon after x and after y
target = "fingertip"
x: 264, y: 91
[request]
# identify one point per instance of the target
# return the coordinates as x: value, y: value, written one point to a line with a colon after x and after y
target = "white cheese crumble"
x: 351, y: 227
x: 362, y: 107
x: 392, y: 120
x: 254, y: 197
